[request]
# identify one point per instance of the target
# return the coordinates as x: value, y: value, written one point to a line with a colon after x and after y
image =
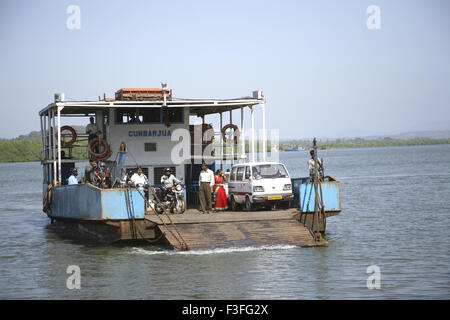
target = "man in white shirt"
x: 92, y: 129
x: 168, y: 180
x: 311, y: 166
x: 73, y: 177
x: 206, y: 181
x: 139, y: 179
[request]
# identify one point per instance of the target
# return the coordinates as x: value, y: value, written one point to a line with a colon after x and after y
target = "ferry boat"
x: 151, y: 129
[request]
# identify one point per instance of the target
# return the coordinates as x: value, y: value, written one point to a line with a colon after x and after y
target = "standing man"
x: 206, y: 181
x: 92, y: 129
x: 311, y: 166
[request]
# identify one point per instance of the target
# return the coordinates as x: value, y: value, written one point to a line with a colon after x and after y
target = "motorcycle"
x: 170, y: 198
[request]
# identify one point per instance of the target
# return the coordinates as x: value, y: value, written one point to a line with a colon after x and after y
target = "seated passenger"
x: 73, y: 177
x: 90, y: 172
x: 104, y: 176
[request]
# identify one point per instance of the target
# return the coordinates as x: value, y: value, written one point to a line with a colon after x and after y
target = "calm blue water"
x: 396, y: 209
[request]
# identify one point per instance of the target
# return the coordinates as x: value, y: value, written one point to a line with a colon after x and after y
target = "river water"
x: 396, y: 210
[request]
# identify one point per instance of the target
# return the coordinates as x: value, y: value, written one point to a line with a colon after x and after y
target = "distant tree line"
x: 29, y: 148
x: 361, y: 143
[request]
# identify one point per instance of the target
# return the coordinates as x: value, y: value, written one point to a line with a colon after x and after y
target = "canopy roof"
x: 197, y: 107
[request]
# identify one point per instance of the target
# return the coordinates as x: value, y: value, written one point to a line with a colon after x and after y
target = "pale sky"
x: 323, y: 71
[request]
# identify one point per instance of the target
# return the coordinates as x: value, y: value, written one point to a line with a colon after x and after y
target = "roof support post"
x: 54, y: 146
x: 221, y: 141
x: 264, y: 137
x: 44, y: 136
x: 47, y: 135
x: 253, y: 133
x: 242, y: 134
x: 232, y: 140
x: 59, y: 145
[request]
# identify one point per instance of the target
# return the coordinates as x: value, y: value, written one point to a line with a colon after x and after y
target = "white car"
x: 259, y: 184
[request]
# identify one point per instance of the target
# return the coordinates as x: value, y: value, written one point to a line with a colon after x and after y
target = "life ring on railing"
x: 106, y: 156
x: 97, y: 142
x: 47, y: 200
x: 235, y: 131
x: 206, y: 127
x: 73, y: 134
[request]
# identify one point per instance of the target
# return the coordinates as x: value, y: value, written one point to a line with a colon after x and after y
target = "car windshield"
x: 268, y: 171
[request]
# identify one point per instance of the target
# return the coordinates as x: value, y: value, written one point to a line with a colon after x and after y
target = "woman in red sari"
x: 219, y: 191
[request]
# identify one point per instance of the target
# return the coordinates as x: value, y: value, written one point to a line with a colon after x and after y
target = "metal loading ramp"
x: 196, y: 231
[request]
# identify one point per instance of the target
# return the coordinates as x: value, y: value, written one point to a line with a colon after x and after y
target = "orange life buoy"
x: 236, y: 132
x: 73, y: 134
x: 96, y: 142
x: 106, y: 156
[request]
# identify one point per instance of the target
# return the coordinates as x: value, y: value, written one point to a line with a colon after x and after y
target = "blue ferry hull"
x: 87, y: 202
x: 103, y: 215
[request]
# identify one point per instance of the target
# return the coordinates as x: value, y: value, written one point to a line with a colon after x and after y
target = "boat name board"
x: 149, y: 133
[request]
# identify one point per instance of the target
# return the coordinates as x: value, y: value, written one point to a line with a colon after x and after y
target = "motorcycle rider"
x: 168, y: 180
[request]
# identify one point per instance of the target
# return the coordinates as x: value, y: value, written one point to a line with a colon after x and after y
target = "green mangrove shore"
x: 28, y: 148
x: 362, y: 143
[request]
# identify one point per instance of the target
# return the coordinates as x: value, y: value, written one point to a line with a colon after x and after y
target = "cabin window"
x: 150, y: 146
x: 172, y: 115
x: 240, y: 173
x: 128, y: 115
x: 149, y: 115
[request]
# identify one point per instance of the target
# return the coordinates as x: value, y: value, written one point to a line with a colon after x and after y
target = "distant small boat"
x: 295, y: 149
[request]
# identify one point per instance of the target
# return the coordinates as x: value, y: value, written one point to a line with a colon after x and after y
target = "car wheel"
x: 234, y: 206
x: 248, y: 204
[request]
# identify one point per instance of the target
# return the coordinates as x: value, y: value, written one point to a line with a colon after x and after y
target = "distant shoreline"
x: 362, y: 143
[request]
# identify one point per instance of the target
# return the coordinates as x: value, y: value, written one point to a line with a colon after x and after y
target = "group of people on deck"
x: 96, y: 174
x: 209, y: 184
